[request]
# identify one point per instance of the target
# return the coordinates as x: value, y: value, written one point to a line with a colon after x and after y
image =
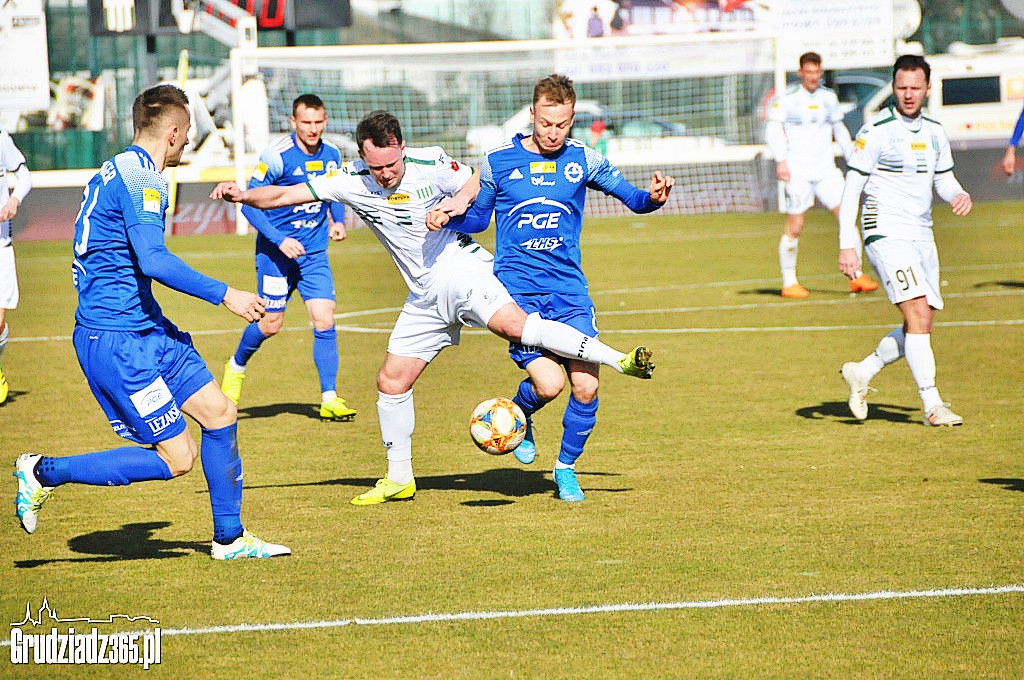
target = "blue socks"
x: 252, y: 338
x: 117, y: 467
x: 527, y: 398
x: 114, y: 467
x: 577, y: 423
x: 325, y: 356
x: 222, y: 467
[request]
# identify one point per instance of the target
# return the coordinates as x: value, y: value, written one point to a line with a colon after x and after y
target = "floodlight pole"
x: 231, y: 25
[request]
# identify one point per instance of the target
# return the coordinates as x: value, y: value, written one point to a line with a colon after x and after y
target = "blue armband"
x: 160, y: 264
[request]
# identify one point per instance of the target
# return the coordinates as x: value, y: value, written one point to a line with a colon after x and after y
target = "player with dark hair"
x: 900, y: 158
x: 145, y: 372
x: 451, y: 283
x: 536, y: 186
x: 291, y: 252
x: 802, y: 123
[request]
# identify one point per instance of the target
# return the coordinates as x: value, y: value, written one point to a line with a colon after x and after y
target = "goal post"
x: 691, y: 106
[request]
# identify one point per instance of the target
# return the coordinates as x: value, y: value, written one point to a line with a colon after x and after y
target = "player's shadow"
x: 271, y: 410
x: 12, y: 396
x: 130, y: 542
x: 840, y: 410
x: 512, y: 482
x: 1003, y: 284
x: 774, y: 292
x: 1010, y: 484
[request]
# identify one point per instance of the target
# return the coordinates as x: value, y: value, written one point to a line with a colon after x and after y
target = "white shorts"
x: 8, y: 279
x: 800, y: 191
x: 467, y: 294
x: 907, y: 269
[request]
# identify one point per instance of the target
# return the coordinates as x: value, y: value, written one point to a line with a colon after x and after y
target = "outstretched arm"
x: 269, y: 196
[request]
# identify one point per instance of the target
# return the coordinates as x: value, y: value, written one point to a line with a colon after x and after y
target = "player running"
x: 291, y: 252
x: 536, y: 187
x: 451, y: 283
x: 144, y: 372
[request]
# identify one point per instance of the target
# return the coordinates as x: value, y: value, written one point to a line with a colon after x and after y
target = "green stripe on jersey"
x: 420, y: 161
x: 312, y: 192
x: 873, y: 238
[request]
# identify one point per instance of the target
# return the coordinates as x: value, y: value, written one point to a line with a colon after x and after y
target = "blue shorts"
x: 277, y: 276
x: 141, y: 378
x: 574, y: 310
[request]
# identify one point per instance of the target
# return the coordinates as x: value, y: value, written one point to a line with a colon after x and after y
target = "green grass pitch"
x: 721, y: 495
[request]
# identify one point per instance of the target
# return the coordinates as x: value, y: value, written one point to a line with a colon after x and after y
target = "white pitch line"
x: 596, y: 609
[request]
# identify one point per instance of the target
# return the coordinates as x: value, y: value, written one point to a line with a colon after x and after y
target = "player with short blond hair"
x: 143, y: 370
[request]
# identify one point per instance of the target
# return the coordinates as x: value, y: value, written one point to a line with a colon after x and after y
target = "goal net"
x: 690, y: 106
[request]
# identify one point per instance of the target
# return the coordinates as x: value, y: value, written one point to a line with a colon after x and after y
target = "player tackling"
x: 536, y: 186
x: 451, y: 283
x: 898, y: 158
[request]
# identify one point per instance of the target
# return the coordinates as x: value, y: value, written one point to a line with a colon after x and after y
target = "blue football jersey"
x: 538, y: 207
x: 285, y: 164
x: 113, y: 293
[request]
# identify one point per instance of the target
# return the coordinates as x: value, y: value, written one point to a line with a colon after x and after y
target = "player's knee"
x: 548, y: 389
x: 271, y: 324
x: 585, y: 394
x: 392, y: 384
x: 221, y: 414
x: 180, y: 456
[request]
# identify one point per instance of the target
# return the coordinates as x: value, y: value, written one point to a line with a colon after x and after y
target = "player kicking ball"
x: 535, y: 186
x: 450, y: 278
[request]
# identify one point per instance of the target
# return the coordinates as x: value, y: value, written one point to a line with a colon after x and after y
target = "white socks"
x: 566, y: 341
x: 235, y: 367
x: 787, y: 259
x: 921, y: 361
x: 890, y: 349
x: 397, y: 417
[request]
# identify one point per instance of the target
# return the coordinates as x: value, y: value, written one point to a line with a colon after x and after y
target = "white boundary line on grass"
x: 596, y: 609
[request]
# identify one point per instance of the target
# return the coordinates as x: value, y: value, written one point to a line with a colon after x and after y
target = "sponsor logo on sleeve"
x: 860, y: 143
x: 260, y: 173
x: 150, y: 200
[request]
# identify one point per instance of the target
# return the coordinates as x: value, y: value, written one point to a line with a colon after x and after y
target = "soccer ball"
x: 497, y: 425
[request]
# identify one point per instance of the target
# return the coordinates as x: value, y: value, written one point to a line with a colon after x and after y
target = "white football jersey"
x: 398, y: 216
x: 807, y: 119
x: 10, y: 160
x: 902, y: 158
